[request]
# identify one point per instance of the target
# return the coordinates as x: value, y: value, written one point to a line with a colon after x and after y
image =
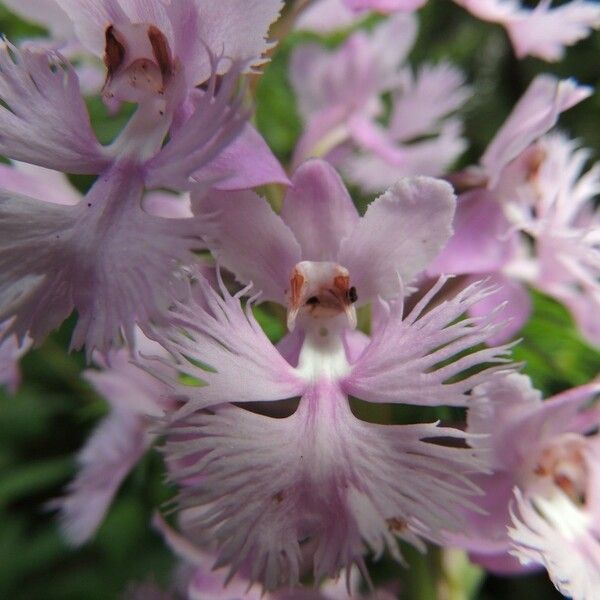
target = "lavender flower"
x: 105, y: 256
x: 263, y: 488
x: 119, y: 441
x: 339, y: 98
x: 529, y: 188
x: 197, y: 580
x: 49, y: 15
x: 544, y: 486
x: 543, y: 31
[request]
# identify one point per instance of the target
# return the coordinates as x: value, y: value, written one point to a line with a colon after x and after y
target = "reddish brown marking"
x: 534, y: 162
x: 114, y: 52
x: 396, y: 524
x: 160, y: 49
x: 296, y: 285
x: 541, y: 471
x: 278, y: 497
x: 568, y: 487
x: 341, y: 284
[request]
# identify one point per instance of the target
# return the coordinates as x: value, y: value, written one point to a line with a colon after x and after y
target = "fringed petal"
x: 105, y: 257
x: 43, y: 118
x: 216, y: 342
x: 110, y: 453
x: 263, y: 488
x: 535, y: 114
x: 543, y: 31
x: 421, y: 360
x: 426, y: 99
x: 248, y: 238
x: 569, y: 549
x: 182, y: 162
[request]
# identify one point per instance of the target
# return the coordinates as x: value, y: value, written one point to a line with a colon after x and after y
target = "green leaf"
x: 32, y: 477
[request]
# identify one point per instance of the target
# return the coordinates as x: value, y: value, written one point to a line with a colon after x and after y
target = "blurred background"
x: 44, y: 424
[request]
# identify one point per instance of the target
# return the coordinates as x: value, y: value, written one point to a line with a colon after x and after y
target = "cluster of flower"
x: 278, y: 479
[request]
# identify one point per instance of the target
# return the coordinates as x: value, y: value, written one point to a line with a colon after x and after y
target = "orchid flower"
x: 136, y: 402
x: 49, y: 15
x: 197, y: 580
x: 105, y: 256
x: 542, y: 31
x: 339, y: 98
x: 542, y: 498
x: 118, y: 442
x: 527, y: 187
x: 325, y: 16
x: 262, y: 488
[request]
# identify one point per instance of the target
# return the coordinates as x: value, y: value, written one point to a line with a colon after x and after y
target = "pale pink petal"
x: 542, y: 31
x: 560, y: 213
x: 167, y: 205
x: 250, y: 240
x: 417, y: 360
x: 11, y: 352
x: 43, y: 118
x: 356, y: 73
x: 245, y: 163
x: 319, y: 211
x: 290, y: 346
x: 536, y: 113
x: 429, y: 157
x: 38, y: 183
x: 46, y: 13
x: 545, y: 32
x: 224, y: 347
x: 355, y: 342
x: 324, y: 133
x: 491, y: 10
x: 515, y: 313
x: 512, y: 411
x: 569, y: 551
x: 426, y: 98
x: 105, y: 257
x: 204, y: 582
x: 385, y: 6
x: 401, y: 232
x: 309, y: 72
x: 214, y: 124
x: 482, y: 242
x: 236, y: 29
x: 325, y: 16
x: 338, y: 92
x: 106, y: 459
x: 389, y: 45
x: 262, y: 485
x: 120, y: 440
x: 370, y: 136
x: 497, y: 406
x: 344, y: 78
x: 126, y: 387
x: 485, y: 531
x: 584, y: 308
